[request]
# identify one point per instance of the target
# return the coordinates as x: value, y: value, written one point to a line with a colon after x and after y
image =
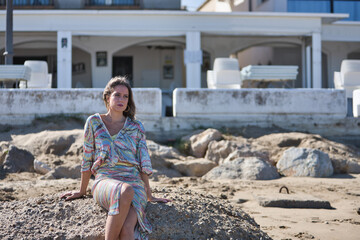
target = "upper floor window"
x: 113, y: 2
x: 352, y: 7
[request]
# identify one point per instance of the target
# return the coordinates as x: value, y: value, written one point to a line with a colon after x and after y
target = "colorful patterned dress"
x: 115, y: 160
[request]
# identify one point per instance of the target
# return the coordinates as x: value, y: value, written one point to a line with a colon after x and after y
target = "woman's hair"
x: 109, y: 89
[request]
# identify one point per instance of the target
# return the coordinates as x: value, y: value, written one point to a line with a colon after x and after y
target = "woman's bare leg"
x: 127, y: 231
x: 115, y: 223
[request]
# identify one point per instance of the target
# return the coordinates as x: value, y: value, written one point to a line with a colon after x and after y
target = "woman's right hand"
x: 72, y: 195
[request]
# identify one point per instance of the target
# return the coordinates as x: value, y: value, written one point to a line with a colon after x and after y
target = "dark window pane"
x: 309, y: 6
x: 350, y: 7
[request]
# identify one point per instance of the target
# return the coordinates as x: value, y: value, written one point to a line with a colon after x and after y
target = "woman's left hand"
x: 163, y: 200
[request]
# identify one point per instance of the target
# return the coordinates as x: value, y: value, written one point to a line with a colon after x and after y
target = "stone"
x: 51, y: 142
x: 3, y: 156
x: 305, y: 162
x: 219, y: 150
x: 18, y: 160
x: 194, y: 167
x: 41, y: 167
x: 250, y: 168
x: 161, y: 150
x: 64, y: 172
x: 199, y: 142
x: 159, y: 153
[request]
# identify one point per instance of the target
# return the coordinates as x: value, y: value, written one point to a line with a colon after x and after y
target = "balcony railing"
x: 113, y: 3
x: 30, y: 3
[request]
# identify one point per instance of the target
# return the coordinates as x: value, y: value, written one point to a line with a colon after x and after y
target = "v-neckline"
x: 107, y: 130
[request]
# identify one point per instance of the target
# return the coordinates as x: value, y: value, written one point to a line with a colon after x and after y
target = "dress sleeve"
x: 88, y: 147
x: 142, y: 153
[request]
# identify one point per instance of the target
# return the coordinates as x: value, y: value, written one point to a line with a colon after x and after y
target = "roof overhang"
x: 168, y: 23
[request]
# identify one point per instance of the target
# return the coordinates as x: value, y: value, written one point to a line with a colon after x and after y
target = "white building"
x: 157, y: 44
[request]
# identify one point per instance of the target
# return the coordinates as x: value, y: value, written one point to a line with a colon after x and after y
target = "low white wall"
x: 21, y: 106
x: 321, y: 111
x: 233, y: 103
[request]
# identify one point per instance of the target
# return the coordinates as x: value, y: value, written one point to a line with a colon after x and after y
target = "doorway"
x: 123, y: 66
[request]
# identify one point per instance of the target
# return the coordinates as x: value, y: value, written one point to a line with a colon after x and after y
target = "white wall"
x: 22, y: 106
x: 148, y: 66
x: 320, y: 111
x: 255, y: 56
x: 231, y: 103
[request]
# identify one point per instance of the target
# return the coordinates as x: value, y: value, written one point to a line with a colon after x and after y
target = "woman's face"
x: 119, y: 99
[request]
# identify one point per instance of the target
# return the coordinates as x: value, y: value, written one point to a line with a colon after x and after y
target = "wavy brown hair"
x: 109, y: 89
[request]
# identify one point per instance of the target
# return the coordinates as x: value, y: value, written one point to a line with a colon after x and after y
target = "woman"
x: 115, y: 152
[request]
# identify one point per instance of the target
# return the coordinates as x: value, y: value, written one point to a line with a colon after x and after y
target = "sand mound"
x: 201, y: 216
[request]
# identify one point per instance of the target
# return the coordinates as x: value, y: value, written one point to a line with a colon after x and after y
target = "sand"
x: 341, y: 190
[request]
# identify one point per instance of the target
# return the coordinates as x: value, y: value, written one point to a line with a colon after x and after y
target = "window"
x: 352, y: 7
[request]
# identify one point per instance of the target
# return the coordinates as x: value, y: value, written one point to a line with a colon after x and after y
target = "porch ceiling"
x: 167, y: 23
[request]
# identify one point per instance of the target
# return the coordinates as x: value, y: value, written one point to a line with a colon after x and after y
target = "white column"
x: 193, y: 60
x: 303, y: 63
x: 64, y: 63
x: 308, y: 66
x: 316, y: 60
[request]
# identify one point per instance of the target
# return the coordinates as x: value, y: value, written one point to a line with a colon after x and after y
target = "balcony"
x: 29, y: 4
x: 112, y: 4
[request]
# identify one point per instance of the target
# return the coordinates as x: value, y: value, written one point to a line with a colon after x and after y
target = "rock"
x: 50, y: 142
x: 64, y: 172
x: 194, y: 167
x: 3, y: 156
x: 187, y: 137
x: 162, y: 151
x: 199, y: 142
x: 353, y: 167
x: 305, y: 162
x: 251, y: 168
x: 345, y: 158
x: 41, y: 167
x: 159, y: 153
x: 244, y: 151
x: 217, y: 151
x: 18, y: 160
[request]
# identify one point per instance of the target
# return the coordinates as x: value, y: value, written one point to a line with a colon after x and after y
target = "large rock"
x: 305, y: 162
x: 64, y: 172
x: 51, y: 142
x: 345, y: 158
x: 18, y: 160
x: 194, y: 167
x: 219, y: 150
x: 235, y: 150
x: 159, y: 153
x: 199, y: 142
x: 250, y: 168
x: 161, y: 150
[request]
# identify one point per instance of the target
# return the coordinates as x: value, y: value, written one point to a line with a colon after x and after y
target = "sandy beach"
x: 342, y: 191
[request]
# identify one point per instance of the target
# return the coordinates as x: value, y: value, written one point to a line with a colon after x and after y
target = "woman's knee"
x: 127, y: 191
